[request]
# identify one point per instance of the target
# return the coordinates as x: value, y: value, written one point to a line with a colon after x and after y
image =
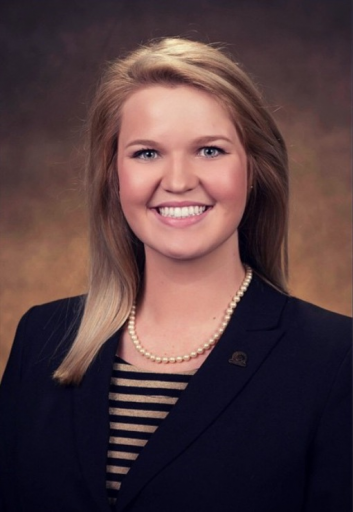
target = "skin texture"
x: 178, y: 147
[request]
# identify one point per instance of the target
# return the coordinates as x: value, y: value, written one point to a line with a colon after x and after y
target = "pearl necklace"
x: 206, y: 346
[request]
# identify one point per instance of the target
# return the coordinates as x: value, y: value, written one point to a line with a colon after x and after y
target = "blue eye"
x: 211, y: 151
x: 145, y: 154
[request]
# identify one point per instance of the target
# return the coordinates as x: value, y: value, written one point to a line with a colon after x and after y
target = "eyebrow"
x: 201, y: 140
x: 210, y: 138
x: 142, y: 142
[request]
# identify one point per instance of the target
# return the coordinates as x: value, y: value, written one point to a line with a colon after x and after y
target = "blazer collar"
x: 253, y: 331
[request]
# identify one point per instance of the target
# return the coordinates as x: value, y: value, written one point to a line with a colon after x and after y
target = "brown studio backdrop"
x: 53, y: 54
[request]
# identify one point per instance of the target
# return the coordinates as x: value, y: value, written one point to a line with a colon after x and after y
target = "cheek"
x: 133, y: 186
x: 230, y: 186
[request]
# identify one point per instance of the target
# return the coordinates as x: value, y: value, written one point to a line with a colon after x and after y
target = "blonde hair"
x: 117, y: 256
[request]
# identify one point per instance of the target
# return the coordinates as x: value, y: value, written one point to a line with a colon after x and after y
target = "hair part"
x: 116, y: 255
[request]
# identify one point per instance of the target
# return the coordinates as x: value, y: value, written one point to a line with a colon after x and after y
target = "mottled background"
x: 52, y: 53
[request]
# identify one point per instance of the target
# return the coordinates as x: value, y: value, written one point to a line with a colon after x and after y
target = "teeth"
x: 181, y: 212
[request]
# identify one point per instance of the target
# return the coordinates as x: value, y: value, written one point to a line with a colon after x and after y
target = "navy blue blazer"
x: 265, y: 432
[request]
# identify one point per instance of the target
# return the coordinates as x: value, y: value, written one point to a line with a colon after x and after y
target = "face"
x: 182, y: 173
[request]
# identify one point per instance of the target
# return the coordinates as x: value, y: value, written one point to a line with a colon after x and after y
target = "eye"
x: 211, y: 151
x: 145, y: 154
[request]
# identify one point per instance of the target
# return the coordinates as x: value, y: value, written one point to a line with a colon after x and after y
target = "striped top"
x: 139, y: 400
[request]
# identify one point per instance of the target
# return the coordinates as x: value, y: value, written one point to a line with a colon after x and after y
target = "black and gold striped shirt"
x: 139, y: 400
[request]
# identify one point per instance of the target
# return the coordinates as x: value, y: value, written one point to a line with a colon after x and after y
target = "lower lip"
x: 182, y: 222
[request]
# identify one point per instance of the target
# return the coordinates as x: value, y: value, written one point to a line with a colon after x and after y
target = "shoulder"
x: 309, y: 328
x: 54, y: 319
x: 321, y: 339
x: 45, y: 333
x: 317, y: 322
x: 287, y: 310
x: 57, y: 314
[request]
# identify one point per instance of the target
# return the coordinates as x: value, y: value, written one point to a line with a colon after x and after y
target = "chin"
x: 187, y: 255
x: 182, y: 256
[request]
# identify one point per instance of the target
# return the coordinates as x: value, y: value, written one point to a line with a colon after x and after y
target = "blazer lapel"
x: 248, y: 340
x: 91, y: 421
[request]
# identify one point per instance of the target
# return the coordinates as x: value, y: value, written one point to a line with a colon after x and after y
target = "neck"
x: 174, y: 288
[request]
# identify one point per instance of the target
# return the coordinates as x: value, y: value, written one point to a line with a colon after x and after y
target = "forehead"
x: 165, y: 104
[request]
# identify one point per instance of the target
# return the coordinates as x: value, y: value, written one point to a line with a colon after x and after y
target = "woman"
x: 187, y: 379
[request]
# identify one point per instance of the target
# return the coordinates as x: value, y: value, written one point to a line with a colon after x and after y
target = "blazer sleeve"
x: 9, y: 405
x: 329, y: 482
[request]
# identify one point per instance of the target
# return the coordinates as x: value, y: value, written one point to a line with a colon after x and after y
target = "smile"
x: 181, y: 212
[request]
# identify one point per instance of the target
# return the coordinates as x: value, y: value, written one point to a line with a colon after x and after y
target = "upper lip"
x: 180, y: 204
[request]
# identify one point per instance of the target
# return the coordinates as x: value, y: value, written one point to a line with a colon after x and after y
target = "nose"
x: 178, y: 175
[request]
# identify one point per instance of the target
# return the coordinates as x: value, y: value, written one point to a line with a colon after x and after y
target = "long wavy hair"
x: 116, y: 255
